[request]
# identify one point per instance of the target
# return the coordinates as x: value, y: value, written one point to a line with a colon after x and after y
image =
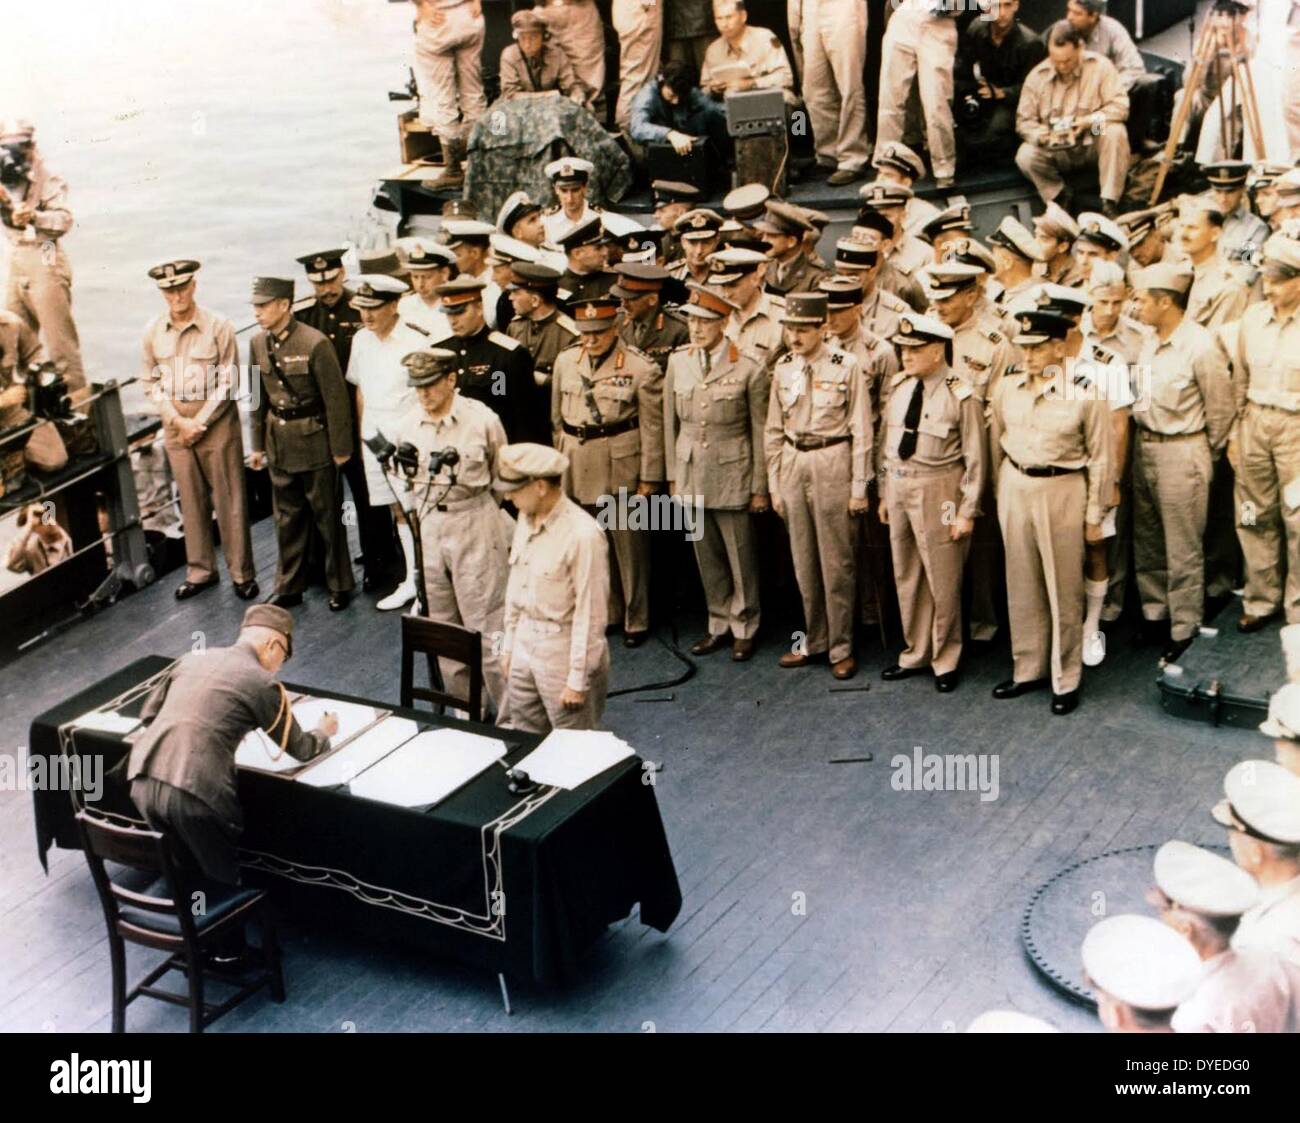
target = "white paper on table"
x: 257, y: 750
x: 107, y: 721
x: 353, y: 717
x: 342, y: 765
x: 429, y: 767
x: 570, y: 757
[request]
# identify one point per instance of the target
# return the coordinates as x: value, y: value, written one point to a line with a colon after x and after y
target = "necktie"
x: 704, y: 361
x: 907, y: 443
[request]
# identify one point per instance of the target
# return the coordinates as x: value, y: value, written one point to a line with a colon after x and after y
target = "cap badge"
x: 169, y: 270
x: 320, y: 263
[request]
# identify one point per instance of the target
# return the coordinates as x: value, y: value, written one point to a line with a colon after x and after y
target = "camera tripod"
x: 1220, y: 50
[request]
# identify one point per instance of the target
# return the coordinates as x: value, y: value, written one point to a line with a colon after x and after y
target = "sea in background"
x: 243, y: 135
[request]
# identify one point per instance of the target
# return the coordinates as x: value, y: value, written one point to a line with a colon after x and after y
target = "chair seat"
x: 221, y: 901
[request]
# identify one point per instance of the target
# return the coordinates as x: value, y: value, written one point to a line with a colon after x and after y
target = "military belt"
x: 1152, y: 435
x: 296, y: 413
x: 811, y: 444
x: 586, y: 433
x: 1043, y: 470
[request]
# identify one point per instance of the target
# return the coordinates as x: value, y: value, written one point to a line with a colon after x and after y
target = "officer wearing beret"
x: 1261, y: 811
x: 861, y: 258
x: 464, y: 534
x: 818, y: 444
x: 191, y: 365
x: 755, y: 325
x: 715, y: 407
x: 538, y: 323
x: 1202, y: 897
x: 699, y: 232
x: 1050, y: 452
x: 554, y: 655
x: 569, y: 178
x: 1142, y: 971
x: 607, y: 416
x: 647, y: 325
x: 933, y: 460
x: 302, y: 431
x: 182, y: 770
x: 783, y: 229
x: 533, y: 64
x: 492, y: 367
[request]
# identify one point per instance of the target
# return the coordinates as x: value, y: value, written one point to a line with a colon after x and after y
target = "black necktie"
x: 907, y: 443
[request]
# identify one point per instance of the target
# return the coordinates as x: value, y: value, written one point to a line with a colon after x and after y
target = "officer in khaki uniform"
x: 1180, y: 431
x: 738, y: 273
x: 302, y: 431
x: 818, y: 442
x: 1266, y: 383
x: 532, y: 64
x: 894, y: 162
x: 647, y: 325
x: 448, y: 68
x: 699, y: 231
x: 933, y: 461
x: 1049, y: 444
x: 538, y: 323
x: 1219, y: 292
x: 905, y: 254
x: 579, y: 30
x: 860, y: 258
x: 1056, y: 232
x: 1016, y: 253
x: 607, y: 414
x: 464, y: 534
x: 783, y: 228
x: 554, y: 656
x: 715, y: 408
x: 190, y: 363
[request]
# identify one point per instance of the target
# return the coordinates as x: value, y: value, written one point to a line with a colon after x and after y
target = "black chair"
x: 149, y: 902
x: 434, y: 640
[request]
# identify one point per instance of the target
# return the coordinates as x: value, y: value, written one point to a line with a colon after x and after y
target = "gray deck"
x: 913, y: 900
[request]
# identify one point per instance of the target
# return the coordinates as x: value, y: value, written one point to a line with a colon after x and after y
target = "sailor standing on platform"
x: 302, y: 432
x: 554, y: 656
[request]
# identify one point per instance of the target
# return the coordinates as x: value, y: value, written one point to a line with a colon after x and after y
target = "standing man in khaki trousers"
x: 834, y: 36
x: 191, y: 364
x: 639, y: 25
x: 449, y: 76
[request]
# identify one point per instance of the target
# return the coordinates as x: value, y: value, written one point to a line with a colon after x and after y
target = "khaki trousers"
x: 729, y: 572
x: 835, y: 48
x: 449, y: 72
x: 629, y: 577
x: 1042, y: 532
x: 539, y: 666
x: 919, y: 48
x: 466, y: 565
x: 578, y: 28
x: 1171, y: 492
x: 639, y: 25
x: 209, y: 476
x: 927, y: 563
x: 45, y: 450
x: 814, y: 487
x: 1268, y: 445
x: 41, y: 293
x: 1109, y: 153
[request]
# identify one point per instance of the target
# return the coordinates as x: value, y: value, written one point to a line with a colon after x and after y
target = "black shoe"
x: 1216, y: 604
x: 247, y: 590
x: 340, y: 600
x: 894, y: 672
x: 187, y: 589
x: 285, y: 600
x: 1065, y: 703
x: 635, y: 639
x: 370, y: 582
x: 710, y: 643
x: 1174, y: 648
x: 946, y: 684
x: 1151, y: 632
x: 1013, y: 689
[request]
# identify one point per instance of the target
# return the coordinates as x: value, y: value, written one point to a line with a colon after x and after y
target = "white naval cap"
x: 419, y: 255
x: 504, y: 249
x: 1203, y: 882
x: 619, y: 225
x: 1283, y: 721
x: 569, y: 169
x: 1012, y: 235
x: 915, y: 330
x: 460, y: 229
x: 1141, y: 962
x: 1263, y: 800
x: 370, y: 290
x: 1009, y: 1021
x: 1106, y: 232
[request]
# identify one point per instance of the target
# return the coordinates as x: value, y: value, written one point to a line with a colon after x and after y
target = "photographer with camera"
x: 42, y: 447
x: 35, y: 215
x: 994, y: 53
x: 441, y: 472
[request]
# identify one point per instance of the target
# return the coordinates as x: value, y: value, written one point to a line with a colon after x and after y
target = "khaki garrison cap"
x: 1263, y: 800
x: 517, y: 464
x: 1141, y: 962
x: 174, y: 274
x: 1165, y: 277
x: 1203, y: 882
x: 274, y: 617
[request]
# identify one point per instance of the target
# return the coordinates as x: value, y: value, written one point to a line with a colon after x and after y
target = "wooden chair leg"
x: 117, y: 956
x: 194, y: 962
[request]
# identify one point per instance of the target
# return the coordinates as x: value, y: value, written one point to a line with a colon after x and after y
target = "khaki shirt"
x: 1095, y: 87
x: 982, y: 353
x: 1188, y: 388
x: 20, y: 347
x: 901, y: 272
x: 559, y: 575
x: 713, y: 425
x: 551, y: 70
x: 758, y: 329
x: 951, y: 431
x: 47, y: 195
x: 627, y: 384
x: 877, y: 360
x: 1266, y: 362
x: 881, y: 311
x: 473, y: 430
x: 1219, y: 294
x: 759, y: 53
x: 1111, y: 40
x: 544, y: 339
x: 1124, y: 340
x: 824, y: 397
x: 1041, y: 423
x: 191, y: 370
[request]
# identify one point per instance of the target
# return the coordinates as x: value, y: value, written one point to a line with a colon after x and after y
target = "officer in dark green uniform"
x: 647, y: 325
x: 538, y: 323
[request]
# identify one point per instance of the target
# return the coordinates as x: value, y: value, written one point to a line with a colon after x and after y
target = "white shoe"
x: 398, y: 598
x: 1094, y: 649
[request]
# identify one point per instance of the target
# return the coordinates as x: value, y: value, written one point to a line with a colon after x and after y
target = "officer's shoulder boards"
x: 504, y: 340
x: 733, y: 352
x: 994, y: 336
x: 416, y: 327
x: 959, y: 387
x: 638, y: 353
x: 1104, y: 356
x: 566, y: 322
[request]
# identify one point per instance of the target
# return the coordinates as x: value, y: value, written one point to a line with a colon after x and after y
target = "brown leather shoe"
x: 845, y: 668
x: 1248, y: 623
x: 793, y: 659
x: 709, y: 644
x: 742, y: 650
